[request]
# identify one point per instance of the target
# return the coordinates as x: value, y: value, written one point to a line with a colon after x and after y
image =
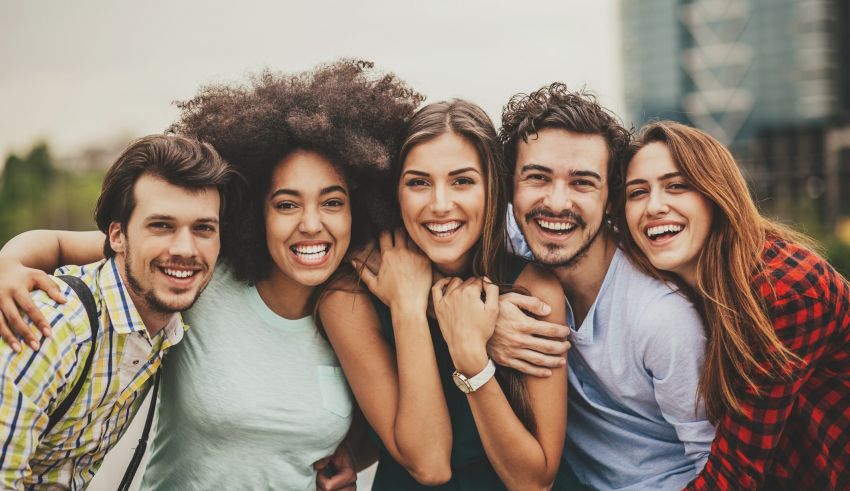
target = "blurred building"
x: 768, y: 78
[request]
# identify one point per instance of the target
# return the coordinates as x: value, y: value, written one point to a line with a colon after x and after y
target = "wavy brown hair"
x: 556, y: 106
x: 742, y: 345
x: 490, y: 254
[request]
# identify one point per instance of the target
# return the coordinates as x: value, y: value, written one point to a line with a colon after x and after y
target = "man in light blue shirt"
x: 637, y: 344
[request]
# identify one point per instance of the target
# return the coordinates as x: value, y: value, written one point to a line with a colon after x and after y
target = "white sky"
x: 76, y: 73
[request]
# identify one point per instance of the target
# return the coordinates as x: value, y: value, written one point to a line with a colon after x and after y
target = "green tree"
x: 35, y: 194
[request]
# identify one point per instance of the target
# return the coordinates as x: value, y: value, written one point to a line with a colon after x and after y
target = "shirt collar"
x: 173, y: 330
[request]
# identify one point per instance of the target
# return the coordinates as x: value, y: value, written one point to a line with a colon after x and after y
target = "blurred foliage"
x: 838, y: 254
x: 34, y: 193
x: 806, y: 215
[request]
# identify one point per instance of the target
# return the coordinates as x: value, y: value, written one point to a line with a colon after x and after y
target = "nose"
x: 657, y: 204
x: 441, y: 200
x: 311, y: 222
x: 183, y: 243
x: 558, y: 198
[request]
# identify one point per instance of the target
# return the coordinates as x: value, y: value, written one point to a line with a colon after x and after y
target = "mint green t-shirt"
x: 249, y: 400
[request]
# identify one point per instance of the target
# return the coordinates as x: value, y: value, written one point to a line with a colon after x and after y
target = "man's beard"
x: 552, y: 249
x: 148, y: 296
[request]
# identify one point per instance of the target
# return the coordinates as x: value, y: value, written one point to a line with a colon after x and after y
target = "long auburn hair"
x: 490, y: 254
x: 741, y: 342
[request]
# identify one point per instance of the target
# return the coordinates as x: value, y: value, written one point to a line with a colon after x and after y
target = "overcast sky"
x: 75, y: 73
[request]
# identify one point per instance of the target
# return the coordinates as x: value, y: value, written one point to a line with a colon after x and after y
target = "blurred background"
x: 769, y: 78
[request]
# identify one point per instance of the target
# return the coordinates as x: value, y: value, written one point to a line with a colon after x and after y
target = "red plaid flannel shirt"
x: 797, y: 435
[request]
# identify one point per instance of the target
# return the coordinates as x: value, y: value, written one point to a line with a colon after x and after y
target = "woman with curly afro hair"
x: 254, y: 397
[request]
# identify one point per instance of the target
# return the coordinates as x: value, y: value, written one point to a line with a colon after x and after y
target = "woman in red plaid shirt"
x: 776, y: 379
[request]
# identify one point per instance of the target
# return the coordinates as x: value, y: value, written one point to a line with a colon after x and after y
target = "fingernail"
x: 45, y: 330
x: 546, y: 309
x: 547, y: 373
x: 16, y: 347
x: 34, y: 345
x: 562, y: 362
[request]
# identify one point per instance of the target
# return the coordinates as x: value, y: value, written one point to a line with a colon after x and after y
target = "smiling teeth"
x: 556, y: 225
x: 178, y: 273
x: 660, y: 229
x: 311, y: 249
x: 443, y: 227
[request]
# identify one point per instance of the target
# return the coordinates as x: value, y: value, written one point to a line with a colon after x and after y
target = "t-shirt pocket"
x: 334, y: 389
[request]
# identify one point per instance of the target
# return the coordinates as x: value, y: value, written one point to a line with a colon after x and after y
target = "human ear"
x: 117, y: 239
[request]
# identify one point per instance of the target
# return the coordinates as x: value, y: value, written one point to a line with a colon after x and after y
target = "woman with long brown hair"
x: 776, y: 378
x: 415, y: 353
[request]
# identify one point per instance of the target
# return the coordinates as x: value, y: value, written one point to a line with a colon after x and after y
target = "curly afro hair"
x: 555, y: 106
x: 341, y: 110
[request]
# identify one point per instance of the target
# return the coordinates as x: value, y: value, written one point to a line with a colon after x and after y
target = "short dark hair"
x: 180, y: 161
x: 344, y: 111
x: 555, y: 106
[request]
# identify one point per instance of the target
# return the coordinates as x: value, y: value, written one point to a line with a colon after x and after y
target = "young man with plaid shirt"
x: 160, y: 208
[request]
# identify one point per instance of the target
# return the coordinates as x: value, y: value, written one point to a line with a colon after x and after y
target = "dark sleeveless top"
x: 471, y: 470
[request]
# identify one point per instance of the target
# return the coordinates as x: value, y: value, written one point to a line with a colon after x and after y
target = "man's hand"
x: 336, y: 473
x: 524, y: 343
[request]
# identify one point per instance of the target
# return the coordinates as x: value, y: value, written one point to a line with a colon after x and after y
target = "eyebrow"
x: 149, y: 218
x: 574, y: 173
x: 664, y: 177
x: 537, y: 167
x: 292, y: 192
x: 465, y: 169
x: 586, y: 173
x: 159, y: 217
x: 452, y: 173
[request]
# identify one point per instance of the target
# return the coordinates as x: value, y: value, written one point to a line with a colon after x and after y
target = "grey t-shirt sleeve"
x: 673, y: 355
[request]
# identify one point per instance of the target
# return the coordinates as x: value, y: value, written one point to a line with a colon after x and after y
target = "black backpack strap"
x: 86, y: 296
x: 139, y: 453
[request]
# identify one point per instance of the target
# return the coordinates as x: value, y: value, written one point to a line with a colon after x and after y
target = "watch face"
x: 461, y: 383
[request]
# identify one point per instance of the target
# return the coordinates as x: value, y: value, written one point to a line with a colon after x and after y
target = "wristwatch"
x: 471, y: 384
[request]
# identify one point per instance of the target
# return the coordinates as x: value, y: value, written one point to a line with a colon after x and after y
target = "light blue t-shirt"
x: 249, y: 401
x: 634, y: 367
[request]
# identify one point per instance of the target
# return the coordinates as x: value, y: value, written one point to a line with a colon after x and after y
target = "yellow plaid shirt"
x: 35, y: 383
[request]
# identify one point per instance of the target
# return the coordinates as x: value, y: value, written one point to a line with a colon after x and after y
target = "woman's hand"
x: 16, y: 283
x: 404, y: 276
x: 467, y: 312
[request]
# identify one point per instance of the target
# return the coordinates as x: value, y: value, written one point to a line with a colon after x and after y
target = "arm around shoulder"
x: 48, y: 249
